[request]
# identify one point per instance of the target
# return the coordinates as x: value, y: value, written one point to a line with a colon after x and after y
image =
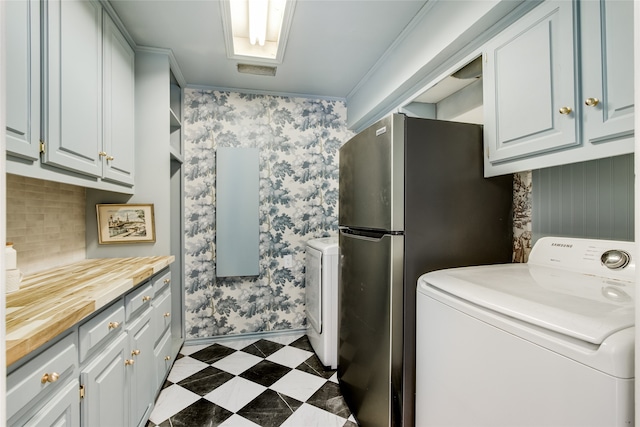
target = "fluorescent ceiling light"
x: 256, y: 29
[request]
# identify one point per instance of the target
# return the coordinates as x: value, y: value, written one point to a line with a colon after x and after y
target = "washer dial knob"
x: 615, y: 259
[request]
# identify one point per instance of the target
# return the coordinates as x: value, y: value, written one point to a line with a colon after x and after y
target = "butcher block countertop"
x: 51, y: 302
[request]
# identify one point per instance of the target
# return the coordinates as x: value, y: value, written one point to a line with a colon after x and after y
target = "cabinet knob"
x: 167, y: 358
x: 102, y: 154
x: 109, y: 158
x: 50, y: 378
x: 565, y: 110
x: 129, y: 362
x: 167, y: 281
x: 135, y: 353
x: 167, y: 314
x: 113, y: 325
x: 591, y: 102
x: 146, y: 298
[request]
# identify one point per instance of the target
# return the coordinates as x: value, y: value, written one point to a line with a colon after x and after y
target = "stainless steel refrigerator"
x: 412, y: 199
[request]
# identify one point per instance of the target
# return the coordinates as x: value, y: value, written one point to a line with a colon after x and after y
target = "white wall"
x: 636, y: 38
x: 3, y: 361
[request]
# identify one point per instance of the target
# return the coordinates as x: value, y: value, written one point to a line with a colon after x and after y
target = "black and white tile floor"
x: 261, y: 382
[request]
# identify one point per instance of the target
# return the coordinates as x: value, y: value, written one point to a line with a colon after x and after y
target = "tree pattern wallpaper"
x: 522, y: 184
x: 298, y: 140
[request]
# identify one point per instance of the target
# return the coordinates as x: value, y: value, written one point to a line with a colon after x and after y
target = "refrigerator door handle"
x: 369, y: 234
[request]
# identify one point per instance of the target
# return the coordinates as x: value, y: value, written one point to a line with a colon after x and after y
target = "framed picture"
x: 125, y: 224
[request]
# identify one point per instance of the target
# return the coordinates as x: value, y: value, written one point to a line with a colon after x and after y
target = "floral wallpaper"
x: 521, y: 216
x: 298, y: 139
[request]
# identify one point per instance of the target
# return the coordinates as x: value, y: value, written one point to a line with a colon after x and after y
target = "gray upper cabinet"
x: 88, y: 96
x: 119, y: 105
x: 23, y: 77
x: 529, y: 82
x: 558, y: 86
x: 607, y: 69
x: 73, y: 86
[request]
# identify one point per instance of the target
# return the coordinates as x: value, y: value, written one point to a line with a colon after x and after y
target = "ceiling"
x: 332, y: 43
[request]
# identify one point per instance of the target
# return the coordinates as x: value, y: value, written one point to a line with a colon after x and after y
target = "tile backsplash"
x: 45, y: 222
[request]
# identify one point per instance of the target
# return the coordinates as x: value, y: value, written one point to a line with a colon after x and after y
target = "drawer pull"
x: 167, y: 281
x: 566, y: 110
x: 146, y: 298
x: 591, y: 102
x: 167, y: 314
x: 129, y: 362
x: 113, y: 325
x: 135, y: 352
x: 167, y: 358
x: 50, y: 378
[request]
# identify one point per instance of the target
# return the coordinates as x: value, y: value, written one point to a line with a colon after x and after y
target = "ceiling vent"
x: 258, y: 70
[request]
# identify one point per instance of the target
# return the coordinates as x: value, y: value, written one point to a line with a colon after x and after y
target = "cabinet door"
x: 61, y: 411
x: 105, y: 383
x: 73, y: 82
x: 528, y: 77
x: 118, y: 125
x: 23, y: 78
x: 142, y: 374
x: 606, y: 30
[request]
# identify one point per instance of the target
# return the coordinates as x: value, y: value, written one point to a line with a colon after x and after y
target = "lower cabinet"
x: 105, y: 371
x: 61, y: 411
x: 38, y: 392
x: 104, y: 378
x: 141, y: 368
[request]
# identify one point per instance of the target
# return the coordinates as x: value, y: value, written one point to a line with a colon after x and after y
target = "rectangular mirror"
x: 237, y: 224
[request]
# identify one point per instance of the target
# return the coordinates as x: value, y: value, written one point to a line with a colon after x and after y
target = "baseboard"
x: 249, y: 336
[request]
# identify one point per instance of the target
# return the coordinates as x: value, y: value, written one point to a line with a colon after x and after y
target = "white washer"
x: 321, y: 300
x: 547, y: 343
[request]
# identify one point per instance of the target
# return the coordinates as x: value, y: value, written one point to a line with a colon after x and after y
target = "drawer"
x: 42, y: 375
x: 138, y: 300
x: 101, y: 328
x: 161, y: 282
x: 161, y: 313
x: 63, y: 409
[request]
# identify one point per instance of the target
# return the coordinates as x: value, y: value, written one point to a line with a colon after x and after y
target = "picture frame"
x: 125, y: 223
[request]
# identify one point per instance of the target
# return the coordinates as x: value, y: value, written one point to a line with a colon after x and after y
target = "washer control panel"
x: 606, y: 258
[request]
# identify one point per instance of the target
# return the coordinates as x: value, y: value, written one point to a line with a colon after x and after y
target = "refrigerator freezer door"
x: 370, y: 327
x: 372, y: 177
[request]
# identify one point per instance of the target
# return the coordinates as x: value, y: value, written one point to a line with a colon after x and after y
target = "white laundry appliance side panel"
x: 313, y: 289
x: 321, y: 298
x: 476, y: 375
x: 330, y: 309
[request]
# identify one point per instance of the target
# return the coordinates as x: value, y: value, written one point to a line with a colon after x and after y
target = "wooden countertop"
x: 51, y: 302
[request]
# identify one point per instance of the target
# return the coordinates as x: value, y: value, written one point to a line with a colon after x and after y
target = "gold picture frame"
x: 128, y: 223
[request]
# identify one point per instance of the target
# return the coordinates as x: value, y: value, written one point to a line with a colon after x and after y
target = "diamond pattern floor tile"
x: 256, y: 382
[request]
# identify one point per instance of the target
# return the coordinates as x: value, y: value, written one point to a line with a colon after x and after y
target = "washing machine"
x: 546, y: 343
x: 321, y: 298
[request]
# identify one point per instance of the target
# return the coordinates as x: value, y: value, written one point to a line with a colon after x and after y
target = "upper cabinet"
x: 73, y: 88
x: 79, y: 128
x: 119, y: 105
x: 607, y: 69
x: 23, y: 78
x: 558, y: 84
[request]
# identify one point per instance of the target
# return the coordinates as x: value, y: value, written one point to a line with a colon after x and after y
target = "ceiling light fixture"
x: 258, y: 10
x: 256, y: 29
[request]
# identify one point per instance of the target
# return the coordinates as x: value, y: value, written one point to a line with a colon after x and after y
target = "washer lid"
x: 582, y: 306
